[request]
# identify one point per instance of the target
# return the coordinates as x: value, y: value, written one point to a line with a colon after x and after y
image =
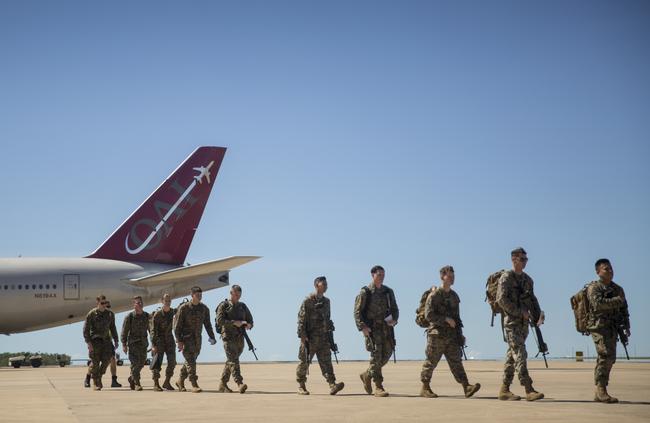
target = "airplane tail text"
x: 162, y: 228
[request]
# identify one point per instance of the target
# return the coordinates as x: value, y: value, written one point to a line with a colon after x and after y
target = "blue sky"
x: 408, y: 134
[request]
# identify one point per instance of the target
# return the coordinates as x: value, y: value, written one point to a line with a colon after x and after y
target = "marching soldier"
x: 233, y: 318
x: 445, y: 336
x: 516, y: 298
x: 135, y: 341
x: 190, y: 316
x: 113, y: 363
x: 608, y: 314
x: 98, y: 329
x: 314, y: 327
x: 376, y: 314
x: 162, y: 343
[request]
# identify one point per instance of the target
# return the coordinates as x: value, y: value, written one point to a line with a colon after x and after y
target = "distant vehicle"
x: 144, y: 256
x: 20, y: 360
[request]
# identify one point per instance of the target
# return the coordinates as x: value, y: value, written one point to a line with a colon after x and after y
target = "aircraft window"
x: 26, y: 286
x: 47, y: 286
x: 6, y: 286
x: 40, y: 286
x: 20, y: 287
x: 53, y: 286
x: 33, y: 286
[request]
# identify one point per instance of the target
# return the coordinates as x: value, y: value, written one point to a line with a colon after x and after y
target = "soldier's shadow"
x: 593, y: 402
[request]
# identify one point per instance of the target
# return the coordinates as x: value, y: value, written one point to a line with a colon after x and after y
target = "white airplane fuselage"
x: 39, y: 293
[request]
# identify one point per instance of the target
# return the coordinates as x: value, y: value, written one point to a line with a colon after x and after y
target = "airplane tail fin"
x: 162, y: 228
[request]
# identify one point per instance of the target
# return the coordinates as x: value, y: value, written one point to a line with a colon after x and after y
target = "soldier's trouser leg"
x: 100, y: 358
x: 516, y: 356
x: 380, y: 356
x: 233, y: 349
x: 325, y: 361
x: 137, y: 357
x: 434, y: 351
x: 455, y: 362
x: 190, y: 352
x: 303, y: 365
x: 605, y: 343
x: 170, y: 352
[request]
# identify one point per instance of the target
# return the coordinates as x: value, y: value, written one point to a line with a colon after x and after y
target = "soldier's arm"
x: 328, y: 317
x: 504, y: 286
x: 598, y: 302
x: 221, y: 320
x: 87, y: 329
x: 178, y: 327
x: 126, y: 329
x: 302, y: 321
x: 433, y: 310
x: 207, y: 324
x: 625, y: 310
x: 359, y: 305
x: 459, y: 321
x: 394, y: 310
x: 114, y: 330
x: 533, y: 304
x: 249, y: 316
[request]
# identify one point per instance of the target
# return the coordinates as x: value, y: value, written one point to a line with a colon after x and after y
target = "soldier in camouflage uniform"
x: 190, y: 316
x: 233, y: 318
x: 113, y: 362
x: 375, y: 314
x: 608, y: 311
x: 516, y: 298
x: 135, y: 341
x: 162, y: 343
x: 445, y: 336
x: 98, y: 329
x: 314, y: 327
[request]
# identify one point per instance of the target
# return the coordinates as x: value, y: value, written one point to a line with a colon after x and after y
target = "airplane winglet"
x: 193, y: 271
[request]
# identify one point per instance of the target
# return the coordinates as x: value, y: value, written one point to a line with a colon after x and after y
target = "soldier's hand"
x: 181, y: 346
x: 628, y: 333
x: 525, y: 315
x: 212, y: 341
x: 303, y: 340
x: 542, y: 318
x: 451, y: 322
x: 392, y: 323
x: 237, y: 323
x: 90, y: 347
x: 154, y: 350
x: 366, y: 330
x: 125, y: 348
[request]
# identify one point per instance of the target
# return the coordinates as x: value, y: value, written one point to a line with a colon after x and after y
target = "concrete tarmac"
x: 53, y: 394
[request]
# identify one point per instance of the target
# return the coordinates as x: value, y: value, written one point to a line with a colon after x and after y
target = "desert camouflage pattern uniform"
x: 163, y: 339
x: 378, y: 303
x: 135, y: 334
x: 98, y: 329
x: 189, y: 320
x: 607, y: 310
x: 314, y: 324
x: 442, y: 339
x: 233, y: 337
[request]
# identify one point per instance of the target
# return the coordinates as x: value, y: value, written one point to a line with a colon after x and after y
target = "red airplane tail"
x: 162, y: 228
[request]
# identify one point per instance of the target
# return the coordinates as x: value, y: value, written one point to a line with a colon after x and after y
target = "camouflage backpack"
x: 420, y: 318
x: 491, y: 287
x: 580, y: 306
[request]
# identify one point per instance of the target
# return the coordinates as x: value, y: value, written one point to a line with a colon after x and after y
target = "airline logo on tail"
x: 162, y: 228
x: 204, y: 171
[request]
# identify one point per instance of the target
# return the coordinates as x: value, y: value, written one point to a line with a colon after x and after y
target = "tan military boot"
x: 180, y: 384
x: 224, y: 388
x: 603, y: 396
x: 156, y: 386
x: 196, y: 388
x: 336, y: 387
x: 97, y: 384
x: 138, y: 387
x: 131, y: 383
x: 379, y: 390
x: 532, y: 394
x: 506, y: 395
x: 242, y: 387
x: 426, y: 391
x: 471, y: 389
x: 167, y: 385
x: 367, y: 382
x: 302, y: 389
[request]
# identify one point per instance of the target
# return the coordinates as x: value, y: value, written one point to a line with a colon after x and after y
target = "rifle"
x: 307, y: 355
x: 622, y: 336
x: 461, y: 339
x: 333, y: 346
x: 251, y: 348
x: 539, y: 339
